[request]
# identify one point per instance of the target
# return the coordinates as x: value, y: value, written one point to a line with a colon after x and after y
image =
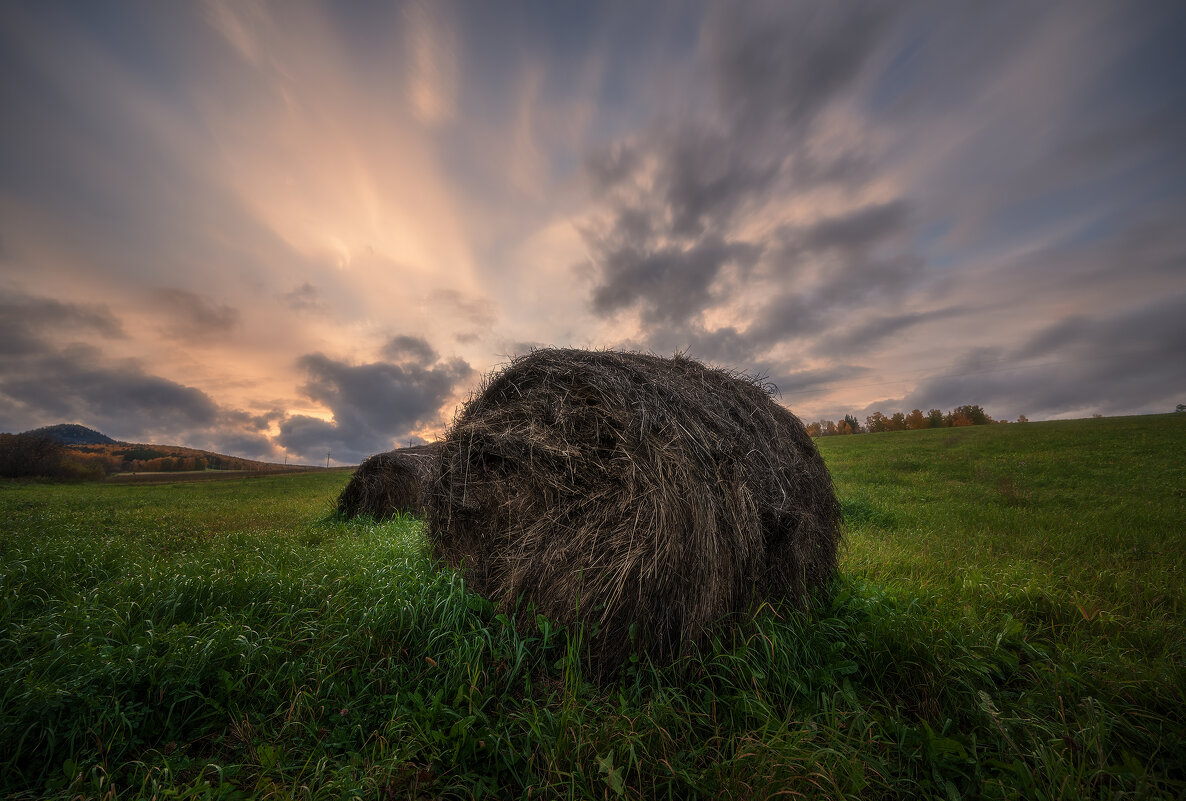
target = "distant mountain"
x: 73, y: 434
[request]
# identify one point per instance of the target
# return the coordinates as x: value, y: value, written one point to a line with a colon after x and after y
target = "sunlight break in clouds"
x: 274, y: 228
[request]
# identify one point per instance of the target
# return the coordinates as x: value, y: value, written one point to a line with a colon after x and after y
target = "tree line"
x: 967, y: 415
x: 33, y: 455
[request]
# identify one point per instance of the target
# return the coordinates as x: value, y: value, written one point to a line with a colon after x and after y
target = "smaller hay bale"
x: 391, y: 483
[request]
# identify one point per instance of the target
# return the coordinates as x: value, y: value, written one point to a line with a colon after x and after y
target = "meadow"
x: 1008, y: 624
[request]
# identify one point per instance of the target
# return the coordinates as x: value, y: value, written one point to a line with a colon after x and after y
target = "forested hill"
x: 69, y: 450
x: 73, y: 434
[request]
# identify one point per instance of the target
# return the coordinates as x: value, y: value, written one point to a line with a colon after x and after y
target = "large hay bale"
x: 391, y: 483
x: 627, y: 490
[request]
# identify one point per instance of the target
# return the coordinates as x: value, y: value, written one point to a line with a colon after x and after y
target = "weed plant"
x: 1008, y: 625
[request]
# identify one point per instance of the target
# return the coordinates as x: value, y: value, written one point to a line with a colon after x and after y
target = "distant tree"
x: 916, y: 420
x: 876, y: 423
x: 854, y: 425
x: 843, y: 427
x: 1021, y: 418
x: 828, y: 428
x: 935, y: 418
x: 1181, y: 407
x: 814, y: 429
x: 897, y: 422
x: 31, y: 454
x: 973, y: 413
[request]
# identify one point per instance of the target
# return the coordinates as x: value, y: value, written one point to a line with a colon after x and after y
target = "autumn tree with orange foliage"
x: 966, y: 415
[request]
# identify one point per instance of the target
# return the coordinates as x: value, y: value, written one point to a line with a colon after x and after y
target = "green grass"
x: 1008, y: 625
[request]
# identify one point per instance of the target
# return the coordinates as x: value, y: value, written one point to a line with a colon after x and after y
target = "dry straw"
x: 390, y: 483
x: 635, y: 494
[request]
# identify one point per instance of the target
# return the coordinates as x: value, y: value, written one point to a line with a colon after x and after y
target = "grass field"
x: 1008, y: 625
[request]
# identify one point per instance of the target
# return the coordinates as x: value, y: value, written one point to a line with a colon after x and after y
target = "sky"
x: 281, y: 230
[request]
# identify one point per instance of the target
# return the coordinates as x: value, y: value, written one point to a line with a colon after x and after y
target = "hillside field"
x: 1009, y: 624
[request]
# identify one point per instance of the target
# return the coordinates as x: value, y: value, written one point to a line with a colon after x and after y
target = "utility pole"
x: 327, y: 454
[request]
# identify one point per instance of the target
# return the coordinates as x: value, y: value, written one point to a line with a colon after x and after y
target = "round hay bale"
x: 632, y: 492
x: 390, y: 483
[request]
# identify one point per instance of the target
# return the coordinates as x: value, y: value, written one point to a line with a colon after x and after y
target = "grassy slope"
x: 1008, y: 625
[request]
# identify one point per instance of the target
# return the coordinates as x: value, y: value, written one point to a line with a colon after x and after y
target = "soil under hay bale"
x: 390, y: 483
x: 632, y: 491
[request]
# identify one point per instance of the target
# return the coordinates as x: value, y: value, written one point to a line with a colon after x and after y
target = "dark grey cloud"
x: 374, y: 405
x: 867, y: 259
x: 1126, y: 362
x: 25, y: 321
x: 122, y: 399
x: 780, y: 64
x: 706, y: 179
x: 676, y: 199
x: 607, y: 167
x: 247, y: 421
x: 189, y: 314
x: 1064, y: 131
x: 854, y: 232
x: 409, y: 350
x: 244, y: 444
x: 312, y: 437
x: 671, y: 283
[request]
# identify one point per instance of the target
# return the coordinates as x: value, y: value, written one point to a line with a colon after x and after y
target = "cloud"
x: 409, y: 350
x: 376, y: 404
x: 896, y: 173
x: 810, y: 381
x: 476, y: 311
x: 25, y: 321
x: 121, y: 399
x: 669, y: 283
x: 48, y: 376
x: 1126, y: 362
x: 675, y: 235
x: 871, y: 334
x: 237, y: 442
x: 305, y: 298
x: 854, y: 232
x: 310, y: 437
x: 778, y: 65
x: 189, y: 314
